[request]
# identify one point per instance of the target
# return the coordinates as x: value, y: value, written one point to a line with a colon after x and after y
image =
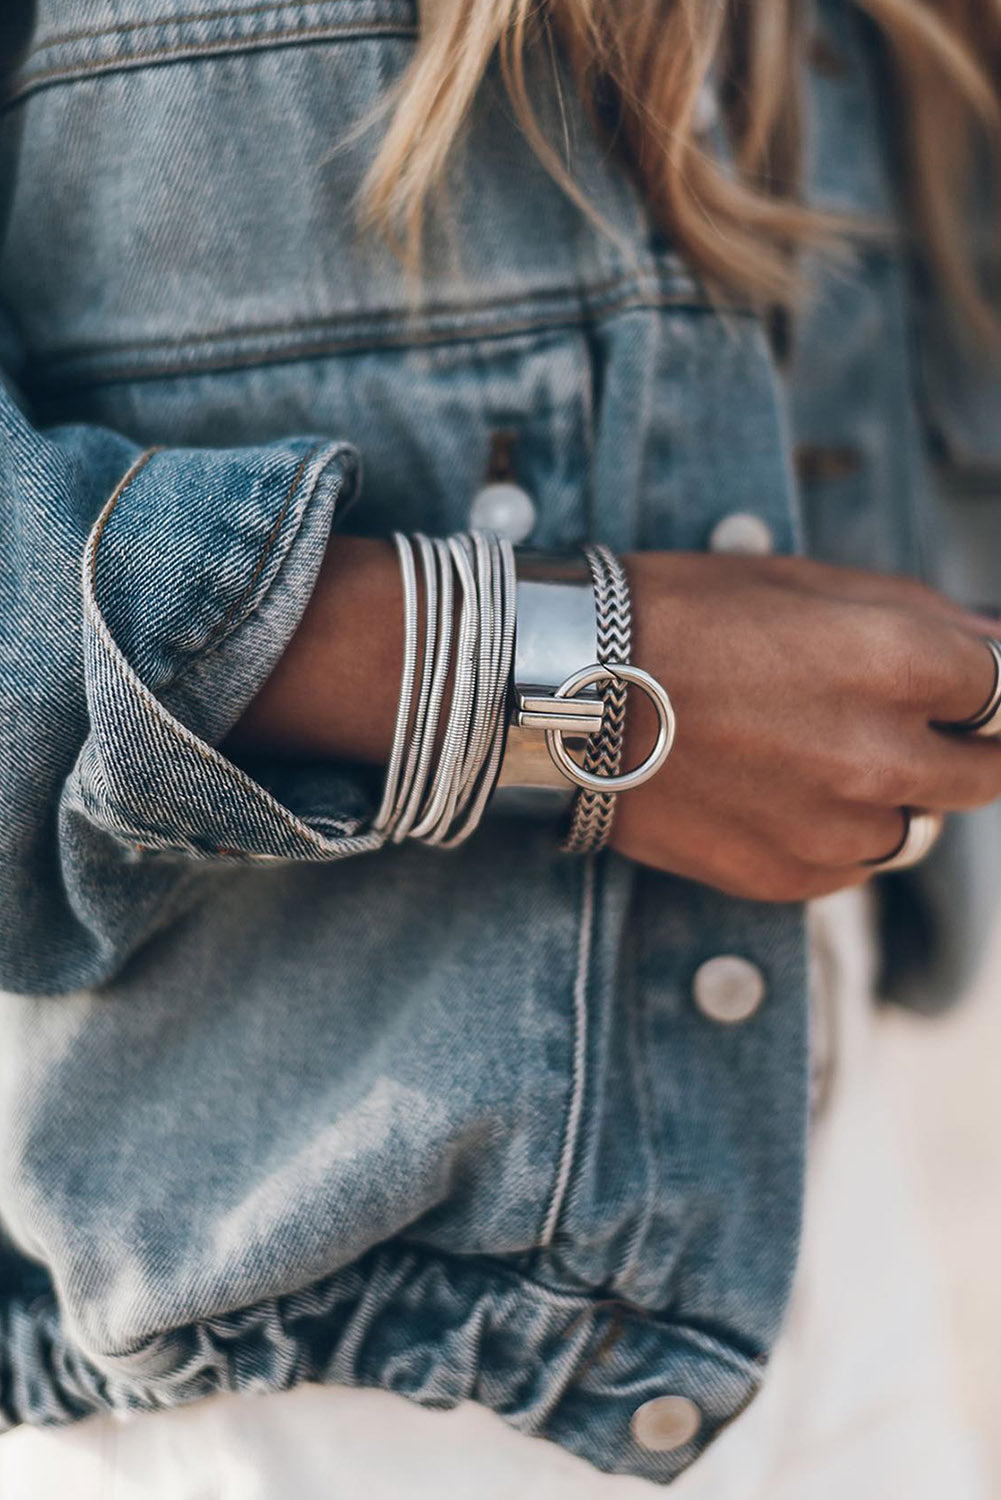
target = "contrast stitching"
x: 585, y: 295
x: 571, y: 1133
x: 200, y: 51
x: 231, y: 14
x: 269, y: 543
x: 116, y: 495
x: 426, y: 338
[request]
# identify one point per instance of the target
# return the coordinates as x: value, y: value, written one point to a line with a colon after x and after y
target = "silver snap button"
x: 665, y: 1423
x: 503, y: 508
x: 705, y: 114
x: 743, y: 534
x: 728, y: 989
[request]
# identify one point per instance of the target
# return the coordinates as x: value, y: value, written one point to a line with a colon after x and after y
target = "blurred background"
x: 947, y: 1075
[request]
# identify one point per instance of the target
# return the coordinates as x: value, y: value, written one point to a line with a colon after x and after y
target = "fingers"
x: 926, y: 648
x: 740, y: 858
x: 844, y: 835
x: 797, y: 858
x: 932, y: 666
x: 974, y: 684
x: 838, y: 849
x: 960, y: 772
x: 985, y: 712
x: 944, y: 773
x: 836, y: 836
x: 752, y: 869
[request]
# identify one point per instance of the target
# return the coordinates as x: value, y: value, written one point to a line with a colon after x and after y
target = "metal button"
x: 743, y: 534
x: 503, y: 508
x: 666, y: 1423
x: 705, y: 113
x: 728, y: 988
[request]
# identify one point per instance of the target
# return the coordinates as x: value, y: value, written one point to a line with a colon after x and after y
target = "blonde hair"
x: 646, y: 62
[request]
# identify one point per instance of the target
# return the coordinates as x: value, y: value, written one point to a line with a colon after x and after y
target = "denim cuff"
x: 195, y: 576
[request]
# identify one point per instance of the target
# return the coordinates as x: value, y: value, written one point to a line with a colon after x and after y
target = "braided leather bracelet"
x: 593, y: 812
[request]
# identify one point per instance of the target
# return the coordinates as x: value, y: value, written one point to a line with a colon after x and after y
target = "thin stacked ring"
x: 921, y: 834
x: 988, y: 721
x: 923, y: 828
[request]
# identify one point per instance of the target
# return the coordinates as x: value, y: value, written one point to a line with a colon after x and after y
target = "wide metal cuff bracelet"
x: 554, y: 707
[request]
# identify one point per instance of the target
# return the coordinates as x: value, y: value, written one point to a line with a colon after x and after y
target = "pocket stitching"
x: 187, y: 18
x: 198, y: 52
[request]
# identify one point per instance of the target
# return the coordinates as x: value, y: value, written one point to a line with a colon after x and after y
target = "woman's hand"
x: 806, y: 698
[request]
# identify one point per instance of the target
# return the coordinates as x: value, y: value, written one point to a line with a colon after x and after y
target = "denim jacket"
x: 278, y: 1103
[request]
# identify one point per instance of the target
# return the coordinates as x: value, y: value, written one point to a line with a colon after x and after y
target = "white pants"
x: 859, y: 1403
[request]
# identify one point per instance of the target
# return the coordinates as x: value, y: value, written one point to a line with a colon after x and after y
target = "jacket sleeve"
x: 144, y: 599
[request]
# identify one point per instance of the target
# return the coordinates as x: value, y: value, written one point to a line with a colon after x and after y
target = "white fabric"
x: 859, y: 1403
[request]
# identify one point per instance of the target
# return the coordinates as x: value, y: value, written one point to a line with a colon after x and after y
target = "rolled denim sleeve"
x: 144, y: 599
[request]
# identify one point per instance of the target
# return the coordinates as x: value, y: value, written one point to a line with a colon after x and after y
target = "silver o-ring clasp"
x: 666, y: 727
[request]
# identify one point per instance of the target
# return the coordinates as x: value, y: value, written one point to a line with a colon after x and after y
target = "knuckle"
x: 899, y: 783
x: 878, y: 779
x: 905, y: 659
x: 869, y: 779
x: 907, y: 655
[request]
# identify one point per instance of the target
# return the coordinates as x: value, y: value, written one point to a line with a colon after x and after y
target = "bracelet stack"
x: 443, y: 768
x: 439, y: 795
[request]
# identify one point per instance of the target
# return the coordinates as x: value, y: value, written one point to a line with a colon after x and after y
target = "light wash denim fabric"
x: 276, y: 1103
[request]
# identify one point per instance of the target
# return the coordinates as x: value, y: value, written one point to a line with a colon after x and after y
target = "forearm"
x: 335, y: 690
